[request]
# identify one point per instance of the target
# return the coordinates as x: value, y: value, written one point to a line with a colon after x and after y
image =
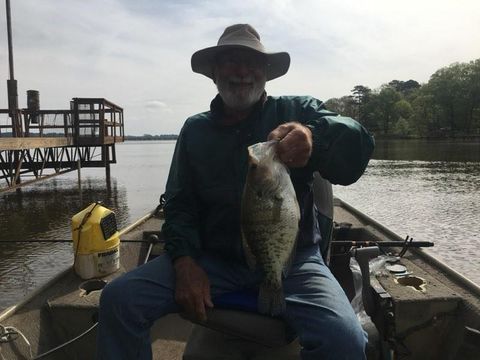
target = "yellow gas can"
x: 96, y: 242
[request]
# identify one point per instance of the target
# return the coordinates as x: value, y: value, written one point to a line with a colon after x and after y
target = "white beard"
x: 239, y: 97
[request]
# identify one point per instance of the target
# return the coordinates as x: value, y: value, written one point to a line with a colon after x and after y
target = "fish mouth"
x: 260, y: 152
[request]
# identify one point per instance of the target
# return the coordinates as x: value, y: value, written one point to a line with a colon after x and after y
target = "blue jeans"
x: 317, y: 307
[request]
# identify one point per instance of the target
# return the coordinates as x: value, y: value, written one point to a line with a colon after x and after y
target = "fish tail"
x: 271, y: 300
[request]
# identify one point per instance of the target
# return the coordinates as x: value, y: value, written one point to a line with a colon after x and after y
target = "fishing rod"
x: 405, y: 244
x: 364, y: 243
x: 359, y: 243
x: 69, y: 241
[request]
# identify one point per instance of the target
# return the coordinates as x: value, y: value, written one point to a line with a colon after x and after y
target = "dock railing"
x: 97, y: 121
x: 90, y: 121
x: 44, y: 143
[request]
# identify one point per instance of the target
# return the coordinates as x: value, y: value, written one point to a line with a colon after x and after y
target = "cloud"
x: 156, y: 104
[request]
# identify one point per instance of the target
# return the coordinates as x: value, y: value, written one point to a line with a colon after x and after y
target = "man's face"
x: 240, y: 77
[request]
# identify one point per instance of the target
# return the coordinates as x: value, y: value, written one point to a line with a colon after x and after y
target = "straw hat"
x: 240, y: 36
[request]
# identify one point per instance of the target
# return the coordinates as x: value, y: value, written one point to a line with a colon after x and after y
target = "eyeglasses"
x: 249, y: 60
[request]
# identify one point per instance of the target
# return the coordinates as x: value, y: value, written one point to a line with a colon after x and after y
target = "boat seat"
x: 235, y: 314
x: 235, y: 330
x: 236, y: 333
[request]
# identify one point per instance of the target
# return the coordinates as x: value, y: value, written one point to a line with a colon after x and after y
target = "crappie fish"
x: 269, y: 222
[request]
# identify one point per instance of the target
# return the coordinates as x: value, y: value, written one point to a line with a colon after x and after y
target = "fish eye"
x: 259, y: 194
x: 253, y: 166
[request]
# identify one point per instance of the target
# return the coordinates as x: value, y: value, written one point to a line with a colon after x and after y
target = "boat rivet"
x: 396, y: 268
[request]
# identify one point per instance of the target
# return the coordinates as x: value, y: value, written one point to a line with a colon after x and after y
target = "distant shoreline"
x: 459, y: 138
x: 151, y: 137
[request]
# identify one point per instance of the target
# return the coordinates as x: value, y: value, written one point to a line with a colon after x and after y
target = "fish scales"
x: 270, y: 216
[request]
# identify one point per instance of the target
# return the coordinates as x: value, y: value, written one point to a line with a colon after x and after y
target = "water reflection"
x: 44, y: 212
x: 434, y: 150
x: 25, y: 266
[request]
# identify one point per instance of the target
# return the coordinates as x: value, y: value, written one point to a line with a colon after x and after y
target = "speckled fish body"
x: 269, y: 219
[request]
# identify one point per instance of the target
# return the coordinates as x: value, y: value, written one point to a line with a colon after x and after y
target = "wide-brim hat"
x: 240, y: 36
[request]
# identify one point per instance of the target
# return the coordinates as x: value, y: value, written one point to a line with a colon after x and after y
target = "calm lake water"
x: 428, y: 190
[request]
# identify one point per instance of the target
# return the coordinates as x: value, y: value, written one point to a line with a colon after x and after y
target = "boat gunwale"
x: 138, y: 222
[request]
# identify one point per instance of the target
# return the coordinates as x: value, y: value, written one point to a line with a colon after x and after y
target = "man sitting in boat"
x: 204, y: 256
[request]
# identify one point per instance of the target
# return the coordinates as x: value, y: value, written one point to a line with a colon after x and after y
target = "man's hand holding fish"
x: 295, y: 146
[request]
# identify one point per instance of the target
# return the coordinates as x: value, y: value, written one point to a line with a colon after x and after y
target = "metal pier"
x: 46, y: 143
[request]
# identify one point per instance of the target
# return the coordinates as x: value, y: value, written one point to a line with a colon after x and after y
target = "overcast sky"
x: 136, y: 53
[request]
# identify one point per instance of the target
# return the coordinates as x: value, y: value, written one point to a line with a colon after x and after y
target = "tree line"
x: 151, y: 137
x: 448, y: 105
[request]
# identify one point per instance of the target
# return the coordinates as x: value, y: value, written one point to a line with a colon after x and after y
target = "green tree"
x: 344, y: 106
x: 448, y: 104
x: 472, y: 117
x: 403, y: 109
x: 404, y: 87
x: 361, y: 97
x: 384, y: 111
x: 403, y: 112
x: 449, y: 88
x: 402, y: 127
x: 425, y: 118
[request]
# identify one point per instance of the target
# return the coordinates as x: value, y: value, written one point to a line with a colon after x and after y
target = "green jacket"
x: 209, y: 166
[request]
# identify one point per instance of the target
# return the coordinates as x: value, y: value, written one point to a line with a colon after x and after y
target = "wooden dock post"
x: 106, y: 157
x: 79, y: 173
